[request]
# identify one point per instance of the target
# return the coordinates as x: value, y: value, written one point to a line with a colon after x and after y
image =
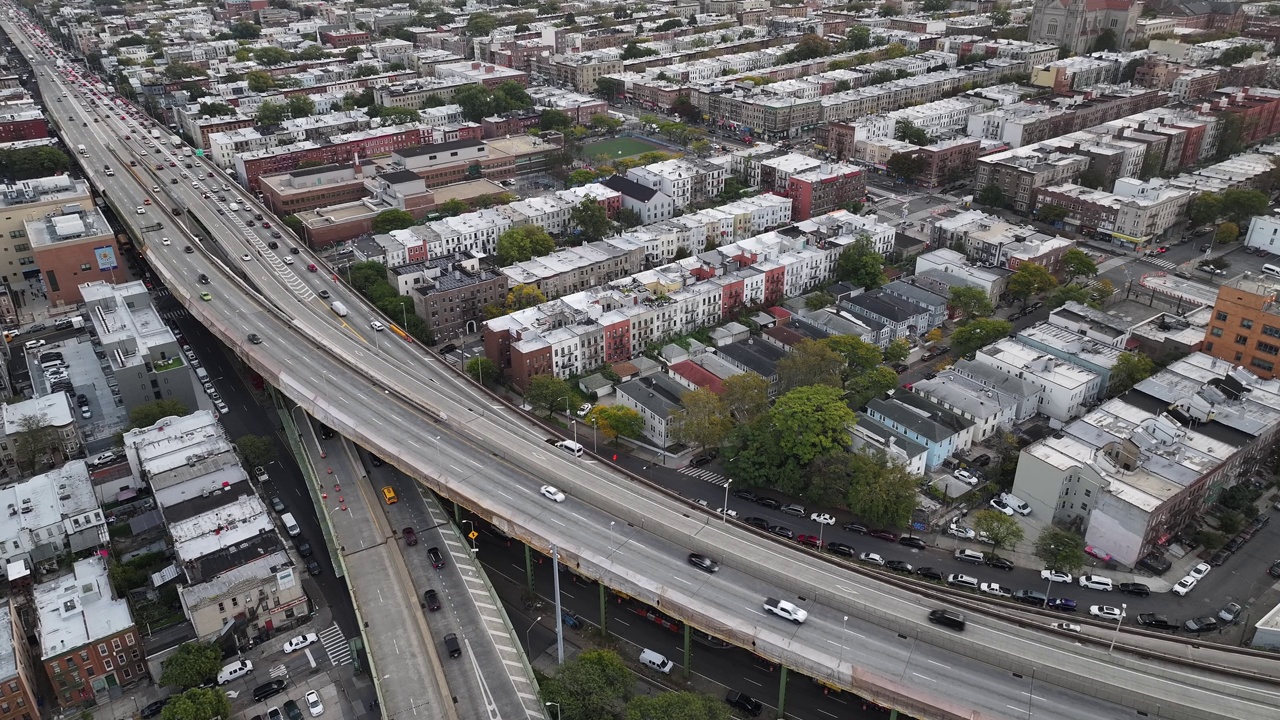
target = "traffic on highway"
x: 393, y: 398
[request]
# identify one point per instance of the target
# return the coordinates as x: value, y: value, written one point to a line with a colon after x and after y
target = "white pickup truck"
x: 260, y: 473
x: 784, y: 609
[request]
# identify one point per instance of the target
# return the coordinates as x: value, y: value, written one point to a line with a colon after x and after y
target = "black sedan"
x: 782, y: 531
x: 745, y: 495
x: 432, y: 599
x: 768, y: 502
x: 756, y: 522
x: 999, y: 563
x: 913, y: 541
x: 154, y: 709
x: 929, y: 573
x: 1137, y: 589
x: 840, y: 548
x: 704, y: 563
x: 898, y: 565
x: 1153, y: 621
x: 1200, y: 625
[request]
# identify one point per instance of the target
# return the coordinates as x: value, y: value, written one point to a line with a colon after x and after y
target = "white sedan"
x: 1055, y: 576
x: 246, y: 257
x: 165, y: 242
x: 1106, y: 612
x: 551, y: 493
x: 377, y: 325
x: 872, y: 558
x: 822, y: 518
x: 300, y: 642
x: 1185, y: 585
x: 965, y: 477
x: 730, y: 513
x: 1198, y: 572
x: 961, y: 532
x: 1068, y: 627
x: 999, y: 505
x: 313, y: 703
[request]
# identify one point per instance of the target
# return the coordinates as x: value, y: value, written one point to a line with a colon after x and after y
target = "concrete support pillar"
x: 782, y: 690
x: 528, y: 566
x: 604, y: 610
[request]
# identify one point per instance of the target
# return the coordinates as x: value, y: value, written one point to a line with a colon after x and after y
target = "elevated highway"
x: 394, y: 400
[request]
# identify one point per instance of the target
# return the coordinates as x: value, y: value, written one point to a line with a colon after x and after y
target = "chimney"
x: 475, y: 66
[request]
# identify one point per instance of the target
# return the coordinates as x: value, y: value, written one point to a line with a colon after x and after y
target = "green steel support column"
x: 528, y: 565
x: 457, y: 514
x: 893, y: 714
x: 688, y: 642
x: 782, y: 692
x: 604, y: 611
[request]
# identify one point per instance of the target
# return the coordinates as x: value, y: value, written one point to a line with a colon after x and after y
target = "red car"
x: 410, y: 537
x: 1099, y: 553
x: 884, y: 535
x: 1161, y: 250
x: 266, y: 224
x: 810, y: 540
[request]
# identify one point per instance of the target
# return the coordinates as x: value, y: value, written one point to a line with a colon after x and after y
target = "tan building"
x: 25, y: 201
x: 1245, y: 326
x: 579, y: 70
x: 310, y: 188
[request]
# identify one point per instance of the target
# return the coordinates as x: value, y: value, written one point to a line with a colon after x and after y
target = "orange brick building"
x: 1245, y: 326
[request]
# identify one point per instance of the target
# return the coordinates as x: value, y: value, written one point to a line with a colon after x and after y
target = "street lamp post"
x: 1116, y: 633
x: 724, y: 509
x: 611, y: 522
x: 438, y: 460
x: 528, y: 644
x: 843, y: 624
x: 557, y: 708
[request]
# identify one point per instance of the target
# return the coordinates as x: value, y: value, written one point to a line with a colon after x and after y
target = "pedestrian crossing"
x: 335, y: 645
x: 1161, y: 262
x: 279, y: 671
x: 714, y: 478
x: 174, y: 314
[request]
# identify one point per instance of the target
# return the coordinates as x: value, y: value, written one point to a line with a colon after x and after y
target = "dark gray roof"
x: 909, y: 446
x: 900, y: 409
x: 759, y: 357
x: 399, y: 176
x: 916, y: 293
x: 658, y: 394
x: 886, y: 306
x: 630, y: 188
x: 439, y: 147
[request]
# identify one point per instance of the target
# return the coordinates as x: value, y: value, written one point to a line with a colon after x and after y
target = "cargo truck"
x: 155, y: 133
x: 174, y: 140
x: 80, y: 149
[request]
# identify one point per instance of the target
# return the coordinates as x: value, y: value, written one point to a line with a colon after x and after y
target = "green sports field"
x: 615, y: 148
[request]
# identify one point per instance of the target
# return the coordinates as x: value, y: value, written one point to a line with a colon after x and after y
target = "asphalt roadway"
x: 647, y: 564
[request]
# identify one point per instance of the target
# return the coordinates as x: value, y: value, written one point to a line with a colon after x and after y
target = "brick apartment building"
x: 453, y: 293
x: 345, y: 148
x: 73, y: 247
x: 948, y: 159
x: 451, y: 162
x: 310, y: 188
x: 826, y: 188
x: 1245, y: 326
x: 23, y: 125
x: 343, y: 38
x: 18, y: 690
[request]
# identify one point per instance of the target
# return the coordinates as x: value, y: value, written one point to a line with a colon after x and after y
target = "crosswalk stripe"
x: 279, y: 671
x: 711, y: 477
x: 335, y: 645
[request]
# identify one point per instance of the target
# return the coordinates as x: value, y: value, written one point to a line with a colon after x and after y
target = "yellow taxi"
x: 389, y: 494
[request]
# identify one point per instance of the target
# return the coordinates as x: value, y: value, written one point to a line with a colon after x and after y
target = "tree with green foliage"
x: 149, y: 414
x: 37, y: 440
x: 592, y: 685
x: 858, y: 354
x: 906, y: 165
x: 554, y: 120
x: 978, y: 333
x: 971, y: 301
x: 819, y: 300
x: 1069, y: 293
x: 1130, y: 369
x: 181, y: 71
x: 884, y: 491
x: 858, y: 38
x: 628, y: 218
x: 605, y: 123
x: 398, y: 115
x: 1000, y: 16
x: 591, y: 220
x: 270, y: 56
x: 1106, y: 41
x: 633, y: 51
x: 216, y: 109
x: 482, y: 370
x: 25, y: 163
x: 311, y: 53
x: 681, y: 705
x: 518, y: 297
x: 702, y: 420
x: 1077, y: 263
x: 193, y: 663
x: 809, y: 47
x: 256, y: 449
x: 746, y: 397
x: 197, y: 704
x: 933, y: 6
x: 522, y: 243
x: 888, y: 10
x: 1205, y: 208
x: 300, y: 106
x: 581, y: 177
x: 244, y: 31
x: 1029, y: 280
x: 873, y: 383
x: 610, y: 88
x: 453, y: 207
x: 1003, y: 531
x: 1050, y: 213
x: 259, y: 81
x: 272, y: 113
x: 810, y: 363
x: 991, y: 195
x: 614, y: 421
x: 810, y: 421
x: 392, y: 219
x: 480, y: 24
x: 897, y: 351
x: 907, y: 131
x: 548, y: 393
x: 1242, y: 205
x: 1227, y: 232
x: 861, y: 265
x: 1060, y: 550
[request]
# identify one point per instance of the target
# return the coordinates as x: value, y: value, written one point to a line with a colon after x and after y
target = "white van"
x: 1016, y: 504
x: 655, y: 661
x: 1095, y: 582
x: 570, y: 447
x: 1271, y: 270
x: 290, y: 525
x: 202, y: 374
x: 234, y: 671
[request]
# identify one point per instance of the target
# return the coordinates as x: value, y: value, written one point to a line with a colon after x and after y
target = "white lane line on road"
x: 824, y: 712
x: 557, y: 522
x: 505, y: 495
x: 753, y: 682
x: 935, y: 662
x: 622, y: 622
x: 686, y: 582
x: 578, y: 516
x: 377, y: 420
x: 414, y: 444
x: 923, y: 677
